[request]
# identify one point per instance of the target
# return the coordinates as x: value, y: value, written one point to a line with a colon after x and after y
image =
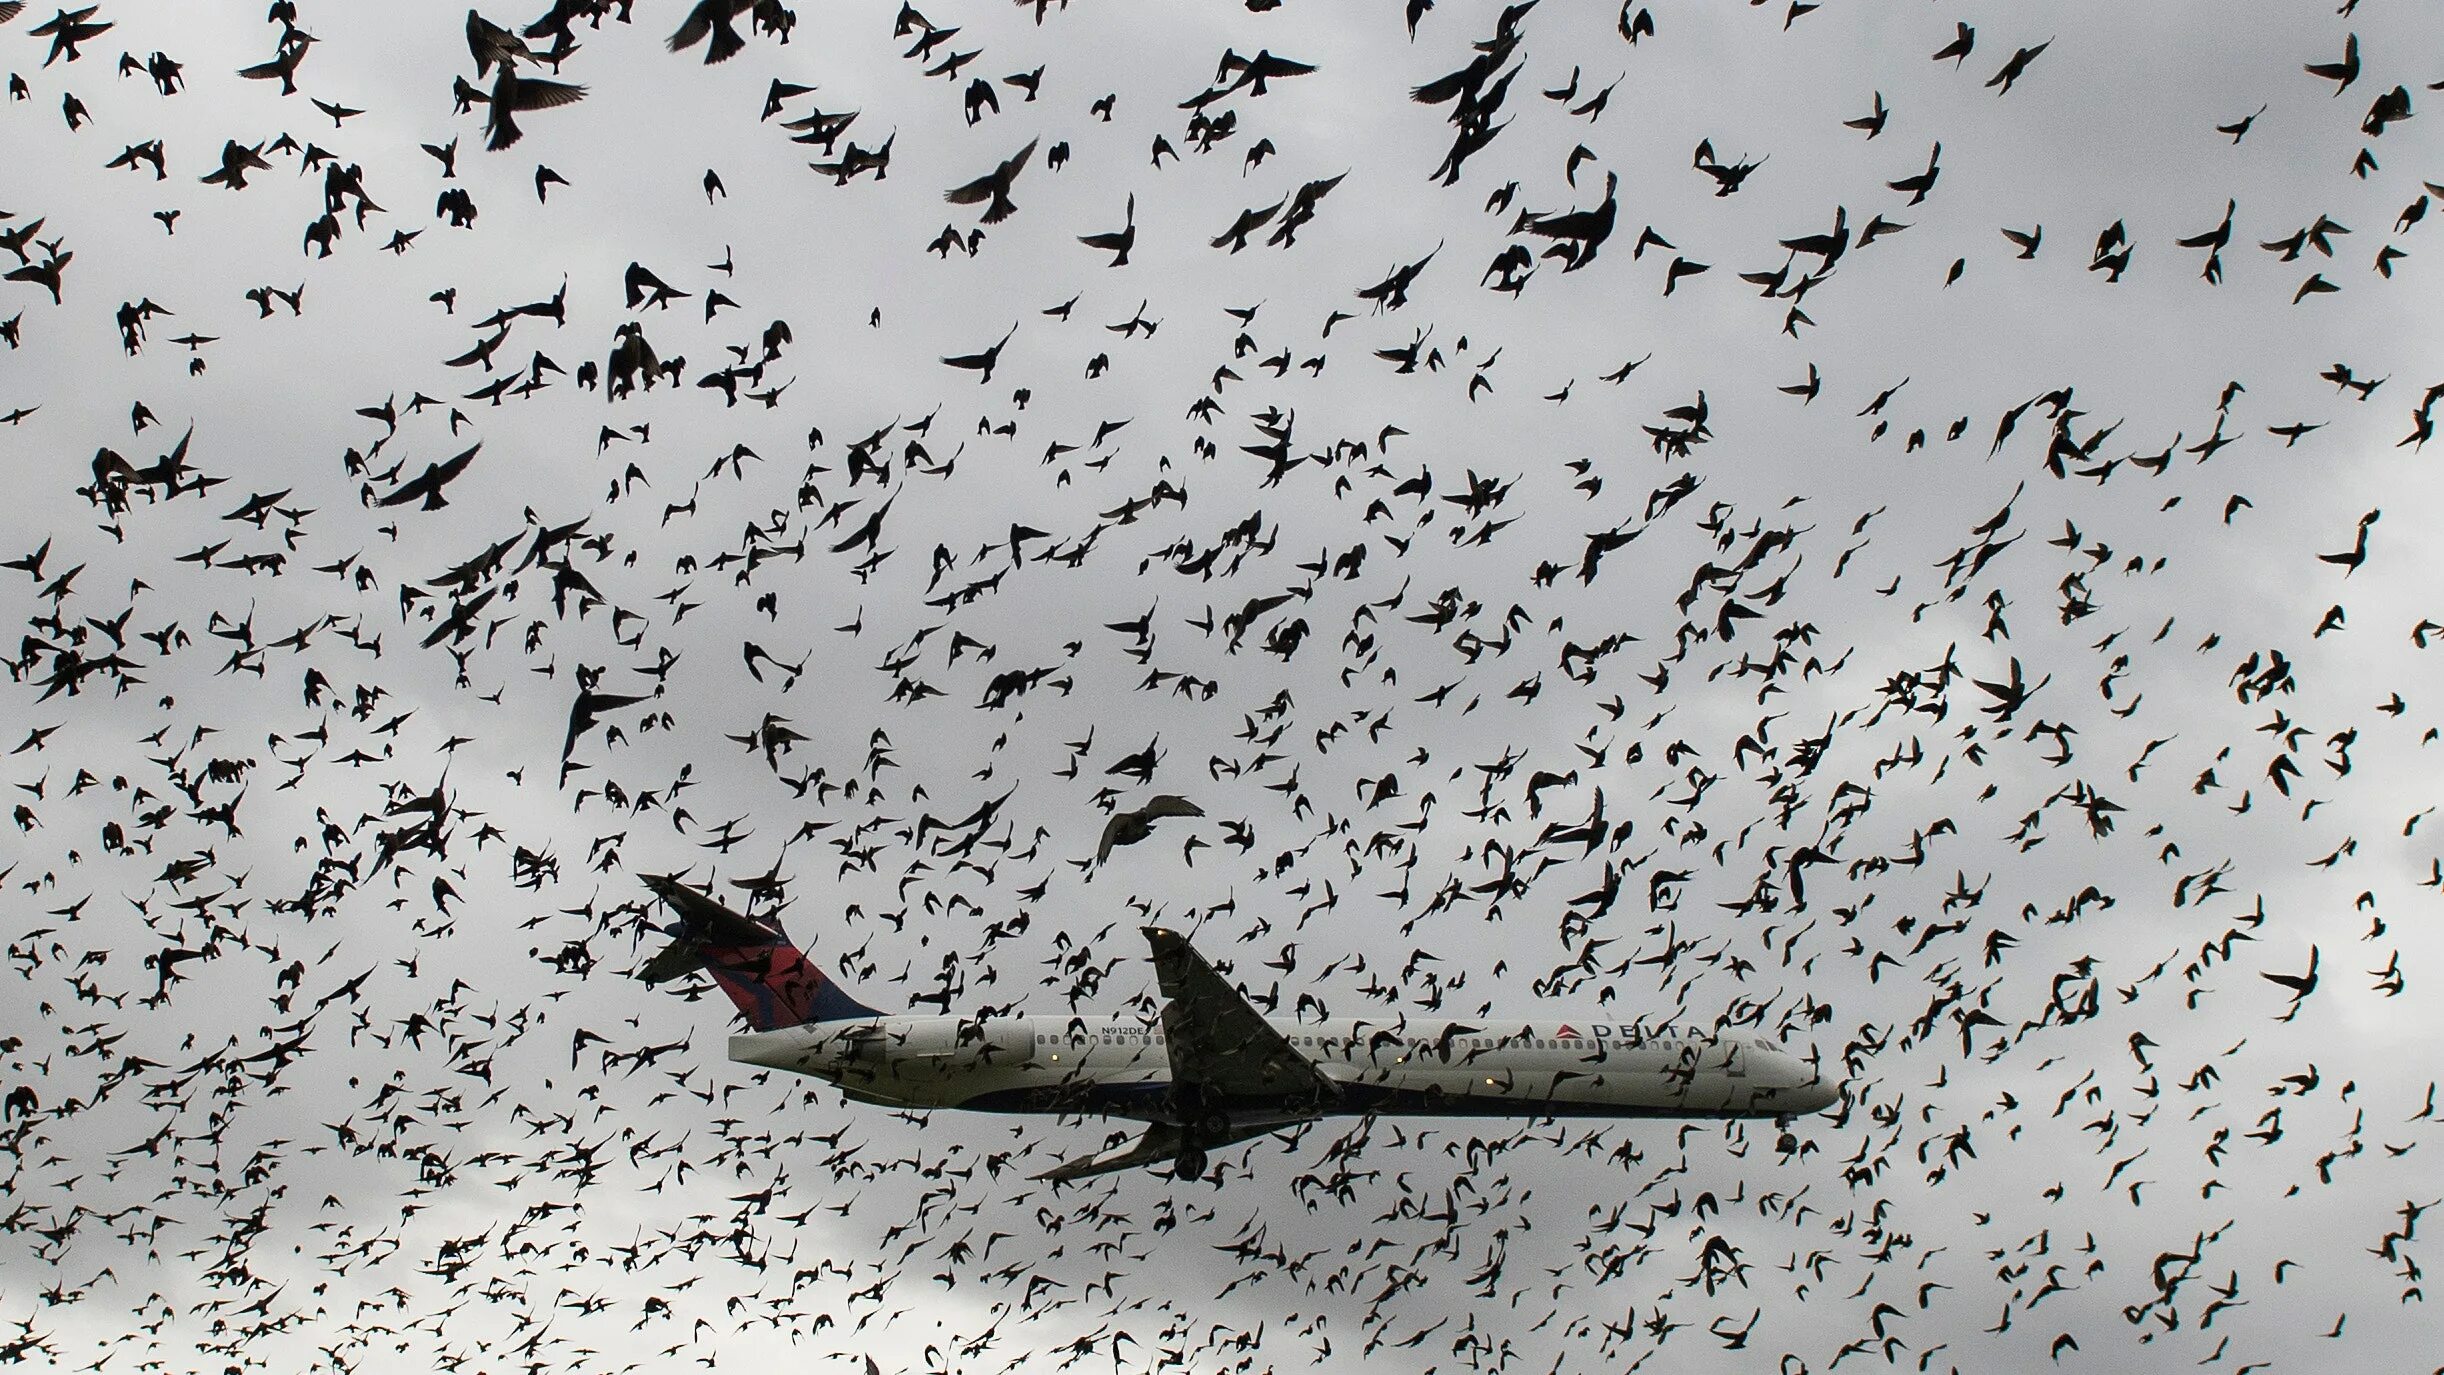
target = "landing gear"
x: 1196, y: 1134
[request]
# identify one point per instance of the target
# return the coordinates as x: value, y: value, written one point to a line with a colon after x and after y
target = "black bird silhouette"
x: 1918, y: 185
x: 1118, y: 241
x: 584, y: 714
x: 2342, y: 73
x: 2017, y: 67
x: 1963, y: 43
x: 428, y: 484
x: 994, y: 187
x: 983, y: 363
x: 67, y: 29
x: 712, y: 18
x: 1245, y: 73
x: 2239, y: 129
x: 2301, y: 985
x: 780, y: 91
x: 1249, y: 221
x: 1393, y: 291
x: 1872, y: 122
x: 1302, y: 211
x: 237, y: 159
x: 488, y: 43
x: 512, y: 93
x: 283, y: 65
x: 2010, y: 696
x: 1128, y: 828
x: 2350, y: 559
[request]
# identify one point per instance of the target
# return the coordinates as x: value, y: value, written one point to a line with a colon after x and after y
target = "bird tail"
x: 770, y: 980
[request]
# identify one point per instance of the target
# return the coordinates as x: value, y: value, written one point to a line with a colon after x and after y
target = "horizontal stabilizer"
x: 708, y: 921
x: 1159, y: 1146
x: 751, y: 958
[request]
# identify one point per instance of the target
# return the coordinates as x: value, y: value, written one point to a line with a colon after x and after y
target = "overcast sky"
x: 394, y: 1106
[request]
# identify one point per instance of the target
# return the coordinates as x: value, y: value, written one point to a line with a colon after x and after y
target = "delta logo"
x: 1567, y: 1032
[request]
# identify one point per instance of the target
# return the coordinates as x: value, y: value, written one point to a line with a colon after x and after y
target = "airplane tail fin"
x: 751, y: 958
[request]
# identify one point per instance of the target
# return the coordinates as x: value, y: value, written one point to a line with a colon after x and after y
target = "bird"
x: 427, y: 486
x: 2239, y: 128
x: 2350, y: 560
x: 282, y: 65
x: 2341, y: 73
x: 1117, y: 242
x: 2013, y: 70
x: 237, y: 159
x: 712, y: 19
x: 982, y: 363
x: 1130, y: 827
x: 1918, y: 184
x: 66, y: 30
x: 1963, y: 43
x: 1872, y: 122
x: 513, y: 94
x: 2301, y: 985
x: 489, y: 43
x: 994, y: 187
x: 781, y: 91
x: 1248, y: 222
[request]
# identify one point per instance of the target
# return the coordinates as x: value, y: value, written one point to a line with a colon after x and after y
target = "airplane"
x: 1211, y: 1071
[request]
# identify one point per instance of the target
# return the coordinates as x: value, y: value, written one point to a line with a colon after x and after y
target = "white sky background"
x: 183, y: 1216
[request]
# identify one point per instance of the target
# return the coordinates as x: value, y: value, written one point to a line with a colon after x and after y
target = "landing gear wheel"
x: 1189, y: 1165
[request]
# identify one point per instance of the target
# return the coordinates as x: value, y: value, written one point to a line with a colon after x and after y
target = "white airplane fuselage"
x: 1121, y: 1066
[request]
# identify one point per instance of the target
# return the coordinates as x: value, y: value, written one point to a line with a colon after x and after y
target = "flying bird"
x: 427, y: 485
x: 712, y: 18
x: 67, y: 29
x: 513, y: 94
x: 1130, y: 827
x: 2014, y: 69
x: 994, y: 187
x: 2342, y: 73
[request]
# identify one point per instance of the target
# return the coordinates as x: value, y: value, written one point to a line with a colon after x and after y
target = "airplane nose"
x: 1813, y: 1096
x: 1805, y: 1087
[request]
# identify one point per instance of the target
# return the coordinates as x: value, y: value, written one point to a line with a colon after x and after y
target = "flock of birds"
x: 1512, y: 598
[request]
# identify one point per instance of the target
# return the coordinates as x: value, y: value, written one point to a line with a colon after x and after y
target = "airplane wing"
x: 1159, y: 1146
x: 1219, y: 1042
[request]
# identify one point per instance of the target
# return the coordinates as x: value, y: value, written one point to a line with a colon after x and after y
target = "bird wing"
x: 1218, y: 1041
x: 418, y: 486
x: 1009, y: 170
x: 447, y: 471
x: 981, y: 188
x: 534, y: 93
x: 1111, y: 835
x: 692, y: 29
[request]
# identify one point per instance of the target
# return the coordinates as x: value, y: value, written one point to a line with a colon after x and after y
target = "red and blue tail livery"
x: 753, y: 960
